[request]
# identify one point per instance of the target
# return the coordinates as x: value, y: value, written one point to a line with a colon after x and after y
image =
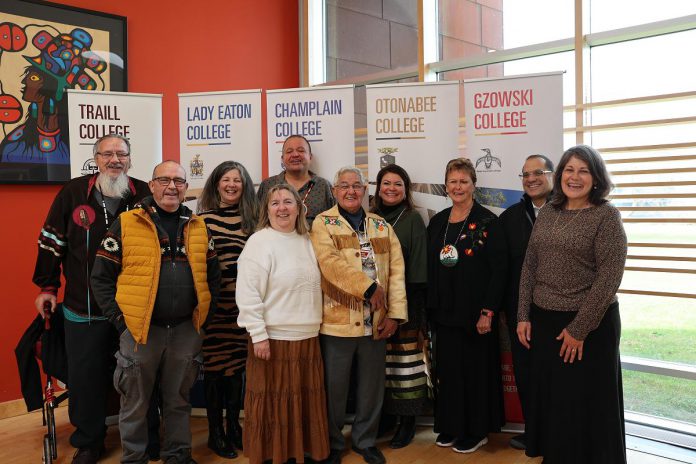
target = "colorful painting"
x: 45, y: 50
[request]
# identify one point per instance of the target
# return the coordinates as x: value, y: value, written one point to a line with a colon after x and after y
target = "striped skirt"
x: 285, y: 404
x: 406, y: 381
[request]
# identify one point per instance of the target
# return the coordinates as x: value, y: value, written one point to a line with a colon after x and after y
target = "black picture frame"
x: 72, y: 19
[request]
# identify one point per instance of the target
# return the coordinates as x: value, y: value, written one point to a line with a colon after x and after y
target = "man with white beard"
x: 79, y: 217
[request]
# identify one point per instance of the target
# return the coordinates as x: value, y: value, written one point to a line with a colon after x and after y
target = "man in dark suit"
x: 515, y: 227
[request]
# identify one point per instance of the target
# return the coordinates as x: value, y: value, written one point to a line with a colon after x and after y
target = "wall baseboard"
x: 12, y: 408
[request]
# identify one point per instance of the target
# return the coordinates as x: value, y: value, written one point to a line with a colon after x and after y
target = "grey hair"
x: 95, y: 147
x: 348, y: 169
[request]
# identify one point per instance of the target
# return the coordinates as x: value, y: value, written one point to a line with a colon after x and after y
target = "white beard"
x: 114, y: 188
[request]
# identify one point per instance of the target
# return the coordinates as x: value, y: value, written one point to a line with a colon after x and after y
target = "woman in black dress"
x: 464, y: 291
x: 230, y: 209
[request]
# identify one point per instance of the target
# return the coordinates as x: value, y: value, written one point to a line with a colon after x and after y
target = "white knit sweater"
x: 279, y: 287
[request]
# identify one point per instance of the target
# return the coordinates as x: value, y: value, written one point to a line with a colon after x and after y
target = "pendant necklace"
x: 398, y: 217
x: 449, y: 256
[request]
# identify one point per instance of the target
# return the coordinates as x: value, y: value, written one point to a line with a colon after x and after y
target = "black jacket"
x: 509, y: 247
x: 76, y: 216
x: 476, y: 279
x: 53, y: 357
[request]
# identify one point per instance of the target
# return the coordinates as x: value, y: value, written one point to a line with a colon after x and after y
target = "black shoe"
x: 334, y: 457
x: 519, y: 442
x: 88, y: 455
x: 405, y: 433
x: 469, y: 444
x: 183, y: 458
x: 371, y: 455
x: 445, y: 440
x: 218, y: 443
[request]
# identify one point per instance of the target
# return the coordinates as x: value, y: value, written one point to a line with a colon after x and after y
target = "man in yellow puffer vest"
x: 156, y: 275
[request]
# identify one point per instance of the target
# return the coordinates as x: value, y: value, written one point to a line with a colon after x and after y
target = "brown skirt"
x: 285, y: 404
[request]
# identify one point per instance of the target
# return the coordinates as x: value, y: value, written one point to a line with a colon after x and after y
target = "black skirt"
x: 576, y: 412
x: 469, y: 400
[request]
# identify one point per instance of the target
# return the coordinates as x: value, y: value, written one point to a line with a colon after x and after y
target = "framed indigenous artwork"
x: 46, y: 49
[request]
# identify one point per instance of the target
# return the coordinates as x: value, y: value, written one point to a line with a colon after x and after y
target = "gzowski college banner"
x: 137, y: 116
x: 414, y: 126
x: 508, y: 119
x: 216, y: 127
x: 323, y: 115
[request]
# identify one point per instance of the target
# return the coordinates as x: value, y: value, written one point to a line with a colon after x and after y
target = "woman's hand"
x: 483, y: 326
x: 570, y: 347
x: 524, y: 333
x: 262, y: 350
x: 386, y: 328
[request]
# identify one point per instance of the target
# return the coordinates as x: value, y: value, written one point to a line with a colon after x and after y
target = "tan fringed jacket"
x: 343, y: 281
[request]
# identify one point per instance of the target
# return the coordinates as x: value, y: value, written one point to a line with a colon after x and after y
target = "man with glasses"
x: 157, y: 277
x: 510, y: 246
x: 76, y: 223
x: 363, y: 283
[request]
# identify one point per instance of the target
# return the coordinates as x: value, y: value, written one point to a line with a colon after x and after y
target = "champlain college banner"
x: 323, y: 115
x: 414, y: 125
x: 136, y: 116
x: 508, y: 119
x: 216, y: 127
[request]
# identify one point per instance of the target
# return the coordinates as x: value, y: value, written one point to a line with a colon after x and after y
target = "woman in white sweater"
x: 280, y: 305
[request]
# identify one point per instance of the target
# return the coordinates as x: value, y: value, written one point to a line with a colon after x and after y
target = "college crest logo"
x: 196, y: 166
x: 89, y: 167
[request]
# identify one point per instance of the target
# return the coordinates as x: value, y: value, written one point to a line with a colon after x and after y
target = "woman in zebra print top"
x: 230, y: 210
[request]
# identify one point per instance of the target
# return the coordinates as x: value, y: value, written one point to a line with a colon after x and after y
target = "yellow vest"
x: 136, y: 287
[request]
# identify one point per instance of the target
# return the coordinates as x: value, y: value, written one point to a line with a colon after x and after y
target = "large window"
x: 630, y: 91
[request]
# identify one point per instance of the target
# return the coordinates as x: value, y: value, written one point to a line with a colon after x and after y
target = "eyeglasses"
x: 110, y: 154
x: 346, y: 187
x: 164, y: 181
x: 536, y: 172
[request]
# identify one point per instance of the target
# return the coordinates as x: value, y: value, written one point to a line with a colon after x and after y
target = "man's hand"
x: 41, y: 301
x: 377, y: 299
x: 386, y: 328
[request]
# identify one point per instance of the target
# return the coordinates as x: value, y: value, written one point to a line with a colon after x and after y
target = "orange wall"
x: 173, y: 47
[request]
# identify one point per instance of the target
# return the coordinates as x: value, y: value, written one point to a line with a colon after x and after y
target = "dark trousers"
x: 174, y: 352
x: 370, y: 356
x: 90, y: 348
x: 520, y: 362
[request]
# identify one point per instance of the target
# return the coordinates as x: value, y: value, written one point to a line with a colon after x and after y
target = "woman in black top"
x: 464, y: 290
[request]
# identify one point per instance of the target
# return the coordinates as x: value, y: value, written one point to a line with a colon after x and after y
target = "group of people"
x: 287, y: 297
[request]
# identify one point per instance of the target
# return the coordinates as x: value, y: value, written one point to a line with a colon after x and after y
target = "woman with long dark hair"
x: 406, y: 382
x: 230, y: 209
x: 569, y: 318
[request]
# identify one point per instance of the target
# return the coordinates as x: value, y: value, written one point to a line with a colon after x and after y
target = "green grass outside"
x: 660, y: 328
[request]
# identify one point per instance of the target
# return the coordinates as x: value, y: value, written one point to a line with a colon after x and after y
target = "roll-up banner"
x: 216, y: 127
x: 508, y: 119
x: 414, y: 125
x: 323, y: 115
x: 136, y: 116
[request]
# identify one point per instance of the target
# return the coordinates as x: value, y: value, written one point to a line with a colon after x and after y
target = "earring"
x: 595, y: 187
x: 34, y: 110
